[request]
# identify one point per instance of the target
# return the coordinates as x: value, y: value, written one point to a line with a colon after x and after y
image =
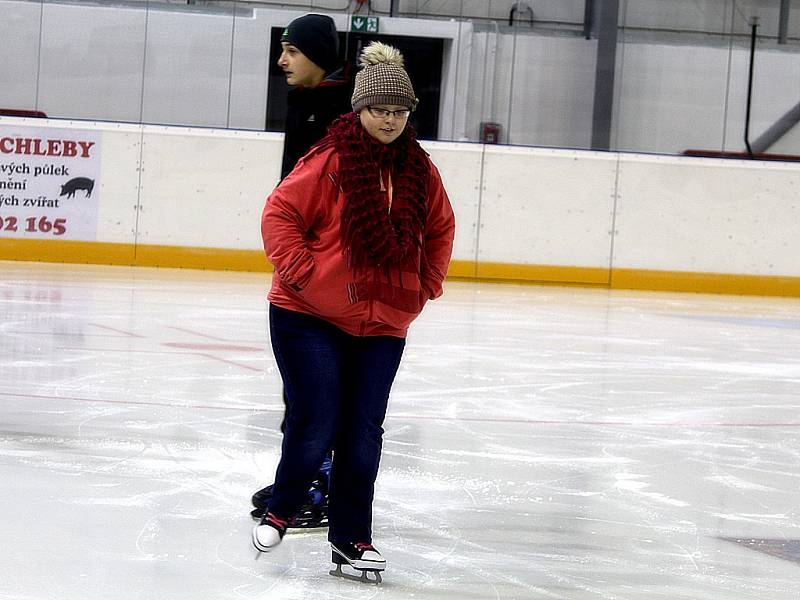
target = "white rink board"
x: 547, y: 207
x: 119, y: 182
x: 708, y: 216
x: 460, y: 168
x: 206, y: 188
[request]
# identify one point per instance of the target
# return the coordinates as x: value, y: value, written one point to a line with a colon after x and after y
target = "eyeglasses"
x: 382, y: 113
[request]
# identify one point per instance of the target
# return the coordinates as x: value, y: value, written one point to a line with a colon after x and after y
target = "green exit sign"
x: 365, y: 24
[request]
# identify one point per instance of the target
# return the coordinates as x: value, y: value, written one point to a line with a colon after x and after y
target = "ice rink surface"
x: 541, y: 442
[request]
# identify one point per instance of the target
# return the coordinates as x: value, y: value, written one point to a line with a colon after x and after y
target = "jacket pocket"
x: 398, y: 298
x: 327, y: 291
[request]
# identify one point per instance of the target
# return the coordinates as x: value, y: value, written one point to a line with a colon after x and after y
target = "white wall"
x: 677, y: 97
x: 250, y: 72
x: 708, y: 16
x: 552, y: 91
x: 540, y: 88
x: 695, y: 15
x: 789, y: 143
x: 521, y: 206
x: 19, y: 68
x: 776, y: 89
x: 187, y: 69
x: 670, y: 98
x: 91, y: 62
x: 208, y: 67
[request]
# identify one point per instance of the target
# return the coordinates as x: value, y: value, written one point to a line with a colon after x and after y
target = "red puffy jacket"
x: 300, y: 229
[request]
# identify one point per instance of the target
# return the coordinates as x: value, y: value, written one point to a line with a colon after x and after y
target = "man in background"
x: 319, y: 93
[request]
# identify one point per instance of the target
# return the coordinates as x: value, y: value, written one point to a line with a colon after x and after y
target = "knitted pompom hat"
x: 382, y: 79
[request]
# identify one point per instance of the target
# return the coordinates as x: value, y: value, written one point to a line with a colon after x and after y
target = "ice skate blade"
x: 363, y: 578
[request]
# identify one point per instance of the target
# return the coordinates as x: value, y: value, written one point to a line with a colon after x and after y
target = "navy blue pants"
x: 336, y: 390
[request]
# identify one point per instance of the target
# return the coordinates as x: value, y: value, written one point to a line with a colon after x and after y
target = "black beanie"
x: 316, y: 37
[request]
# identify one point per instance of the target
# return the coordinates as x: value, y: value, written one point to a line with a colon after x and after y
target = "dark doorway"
x: 423, y: 61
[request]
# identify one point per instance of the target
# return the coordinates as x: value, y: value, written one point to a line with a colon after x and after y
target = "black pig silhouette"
x: 75, y: 184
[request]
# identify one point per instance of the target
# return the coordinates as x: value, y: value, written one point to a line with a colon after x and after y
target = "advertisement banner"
x: 49, y: 182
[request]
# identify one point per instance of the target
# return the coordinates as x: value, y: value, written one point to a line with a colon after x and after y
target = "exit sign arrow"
x: 365, y: 24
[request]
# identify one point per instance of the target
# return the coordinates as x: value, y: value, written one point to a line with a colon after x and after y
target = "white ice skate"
x: 364, y: 559
x: 268, y: 533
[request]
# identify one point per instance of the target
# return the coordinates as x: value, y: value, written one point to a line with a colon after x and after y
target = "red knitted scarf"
x: 372, y: 234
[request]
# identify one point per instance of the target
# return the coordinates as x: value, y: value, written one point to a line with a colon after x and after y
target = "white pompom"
x: 377, y: 53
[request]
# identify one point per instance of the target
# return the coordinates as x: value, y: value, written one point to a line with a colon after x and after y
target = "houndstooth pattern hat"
x: 382, y: 79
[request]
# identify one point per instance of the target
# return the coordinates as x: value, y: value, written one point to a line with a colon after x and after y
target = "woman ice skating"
x: 360, y: 234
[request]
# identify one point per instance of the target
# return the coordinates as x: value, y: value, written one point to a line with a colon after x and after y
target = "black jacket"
x: 308, y: 114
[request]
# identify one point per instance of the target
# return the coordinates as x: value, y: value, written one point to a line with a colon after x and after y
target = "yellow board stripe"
x: 67, y: 251
x: 713, y: 283
x: 62, y: 251
x: 107, y: 253
x: 214, y: 259
x: 542, y: 273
